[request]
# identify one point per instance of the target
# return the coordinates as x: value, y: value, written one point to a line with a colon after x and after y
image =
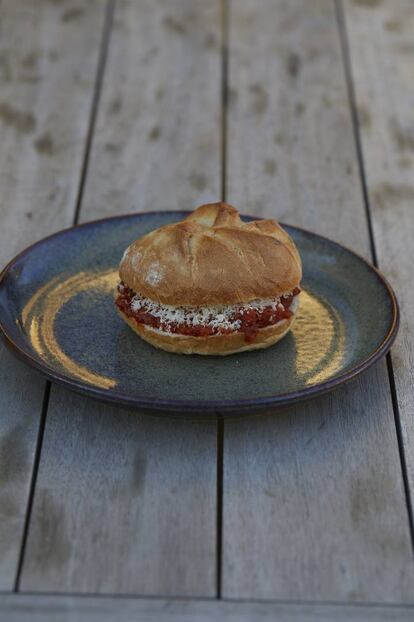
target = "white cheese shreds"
x: 215, y: 316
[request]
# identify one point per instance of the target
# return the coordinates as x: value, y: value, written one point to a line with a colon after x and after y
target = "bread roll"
x: 211, y: 284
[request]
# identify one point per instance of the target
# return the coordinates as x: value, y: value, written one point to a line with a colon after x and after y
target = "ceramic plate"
x: 57, y: 314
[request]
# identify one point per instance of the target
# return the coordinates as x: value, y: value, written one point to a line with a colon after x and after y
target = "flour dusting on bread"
x: 154, y: 273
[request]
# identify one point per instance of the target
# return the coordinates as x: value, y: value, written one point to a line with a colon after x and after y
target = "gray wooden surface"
x: 319, y: 489
x: 141, y: 519
x: 108, y: 108
x: 157, y: 139
x: 47, y: 70
x: 31, y: 608
x: 382, y: 56
x: 163, y: 489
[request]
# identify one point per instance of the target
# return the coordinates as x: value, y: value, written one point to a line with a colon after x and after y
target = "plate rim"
x: 201, y: 406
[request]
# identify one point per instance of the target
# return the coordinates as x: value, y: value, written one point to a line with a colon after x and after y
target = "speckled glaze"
x: 57, y: 314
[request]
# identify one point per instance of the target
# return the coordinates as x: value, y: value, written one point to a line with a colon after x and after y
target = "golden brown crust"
x: 219, y: 345
x: 212, y: 257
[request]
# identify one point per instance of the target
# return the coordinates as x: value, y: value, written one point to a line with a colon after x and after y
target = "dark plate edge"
x: 206, y: 406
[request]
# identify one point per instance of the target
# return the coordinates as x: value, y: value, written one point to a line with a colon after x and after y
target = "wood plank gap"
x: 123, y: 596
x: 220, y: 421
x: 97, y: 89
x: 219, y: 535
x: 404, y: 470
x: 346, y: 58
x: 32, y: 487
x: 344, y: 41
x: 224, y: 92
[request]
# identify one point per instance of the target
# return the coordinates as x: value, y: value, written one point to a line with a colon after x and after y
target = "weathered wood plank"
x: 158, y: 132
x: 143, y: 518
x: 287, y: 117
x: 382, y: 56
x: 22, y: 608
x: 314, y: 505
x: 48, y: 57
x: 124, y: 503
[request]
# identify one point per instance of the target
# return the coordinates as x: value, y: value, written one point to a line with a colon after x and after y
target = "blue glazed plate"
x: 57, y: 314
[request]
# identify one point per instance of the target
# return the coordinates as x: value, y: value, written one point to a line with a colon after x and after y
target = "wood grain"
x: 157, y: 141
x: 287, y: 116
x: 48, y: 57
x: 124, y: 503
x: 25, y: 608
x: 142, y: 515
x: 314, y: 504
x: 383, y: 73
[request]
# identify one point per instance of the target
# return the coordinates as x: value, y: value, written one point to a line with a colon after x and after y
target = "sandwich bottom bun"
x: 219, y: 345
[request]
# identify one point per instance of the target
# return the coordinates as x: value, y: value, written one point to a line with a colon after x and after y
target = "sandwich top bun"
x: 211, y: 284
x: 212, y: 257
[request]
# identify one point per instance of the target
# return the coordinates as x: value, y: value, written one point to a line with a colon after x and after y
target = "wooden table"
x: 297, y: 109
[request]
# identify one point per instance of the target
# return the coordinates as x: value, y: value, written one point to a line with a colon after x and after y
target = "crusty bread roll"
x: 211, y: 284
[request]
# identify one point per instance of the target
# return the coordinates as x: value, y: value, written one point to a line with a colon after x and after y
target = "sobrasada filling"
x: 206, y: 321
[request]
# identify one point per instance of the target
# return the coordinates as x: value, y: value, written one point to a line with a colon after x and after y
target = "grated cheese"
x: 215, y: 316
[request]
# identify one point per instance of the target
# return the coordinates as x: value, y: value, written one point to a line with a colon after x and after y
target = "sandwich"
x: 211, y: 283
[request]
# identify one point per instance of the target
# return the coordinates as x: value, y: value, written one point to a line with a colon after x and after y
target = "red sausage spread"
x: 244, y: 317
